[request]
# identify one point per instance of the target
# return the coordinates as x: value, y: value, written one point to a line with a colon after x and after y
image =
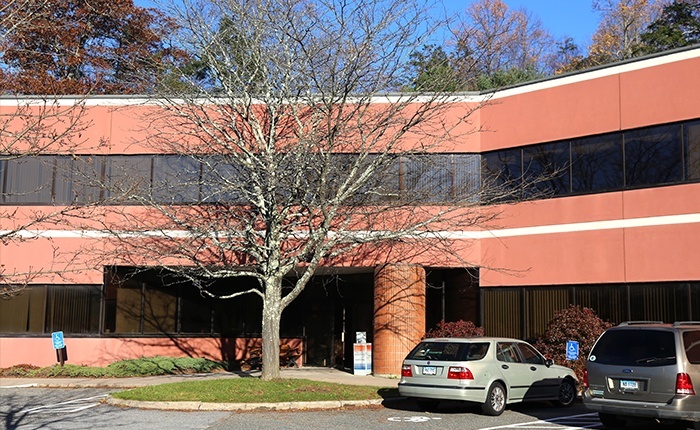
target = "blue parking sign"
x: 571, y: 350
x: 57, y: 338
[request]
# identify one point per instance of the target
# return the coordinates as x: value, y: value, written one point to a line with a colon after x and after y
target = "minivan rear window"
x: 449, y: 351
x: 635, y: 348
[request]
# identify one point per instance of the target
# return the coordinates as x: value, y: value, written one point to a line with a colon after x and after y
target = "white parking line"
x: 571, y: 422
x: 414, y: 419
x: 70, y: 406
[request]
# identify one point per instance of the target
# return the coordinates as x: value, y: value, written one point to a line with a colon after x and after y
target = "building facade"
x: 618, y: 233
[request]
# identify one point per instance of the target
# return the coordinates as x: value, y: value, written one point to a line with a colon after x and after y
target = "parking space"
x: 69, y: 406
x: 572, y: 422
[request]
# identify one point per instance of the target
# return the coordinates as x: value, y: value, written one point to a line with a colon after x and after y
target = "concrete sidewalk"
x: 311, y: 373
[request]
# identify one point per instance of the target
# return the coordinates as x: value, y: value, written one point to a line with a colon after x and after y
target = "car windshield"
x: 635, y: 348
x: 449, y: 351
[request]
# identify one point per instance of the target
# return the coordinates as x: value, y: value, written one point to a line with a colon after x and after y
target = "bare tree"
x: 287, y: 153
x: 496, y: 39
x: 621, y: 27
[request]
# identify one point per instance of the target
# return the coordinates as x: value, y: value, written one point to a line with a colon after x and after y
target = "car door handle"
x: 533, y: 368
x: 504, y: 366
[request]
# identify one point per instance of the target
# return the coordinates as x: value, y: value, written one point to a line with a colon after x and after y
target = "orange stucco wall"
x: 102, y: 351
x: 627, y: 236
x: 614, y: 237
x: 592, y: 105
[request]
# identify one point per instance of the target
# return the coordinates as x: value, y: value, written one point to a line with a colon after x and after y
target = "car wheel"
x: 495, y: 400
x: 567, y: 394
x: 611, y: 421
x: 427, y: 404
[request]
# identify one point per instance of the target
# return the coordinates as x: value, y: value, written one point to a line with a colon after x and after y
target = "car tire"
x: 495, y: 402
x: 567, y: 394
x: 428, y: 405
x: 611, y: 421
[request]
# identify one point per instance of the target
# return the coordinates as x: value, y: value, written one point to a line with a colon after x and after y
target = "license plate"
x: 429, y: 370
x: 629, y: 385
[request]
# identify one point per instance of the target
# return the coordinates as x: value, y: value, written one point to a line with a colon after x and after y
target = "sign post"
x: 59, y: 345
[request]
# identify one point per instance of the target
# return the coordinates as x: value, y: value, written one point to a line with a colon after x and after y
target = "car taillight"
x: 684, y: 385
x: 585, y: 378
x: 406, y: 371
x: 459, y: 372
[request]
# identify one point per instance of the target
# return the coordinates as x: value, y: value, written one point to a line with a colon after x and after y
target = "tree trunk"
x: 271, y: 316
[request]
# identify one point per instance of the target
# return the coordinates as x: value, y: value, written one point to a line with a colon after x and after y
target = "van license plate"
x: 429, y: 370
x: 629, y: 385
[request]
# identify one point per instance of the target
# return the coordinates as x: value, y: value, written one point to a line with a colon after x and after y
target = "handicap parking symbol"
x: 571, y: 350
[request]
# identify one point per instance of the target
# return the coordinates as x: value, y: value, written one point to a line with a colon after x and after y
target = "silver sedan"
x: 487, y: 370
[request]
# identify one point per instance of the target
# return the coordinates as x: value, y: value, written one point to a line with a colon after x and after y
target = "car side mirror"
x: 548, y: 362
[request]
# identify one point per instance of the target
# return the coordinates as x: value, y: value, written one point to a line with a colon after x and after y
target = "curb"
x: 204, y: 406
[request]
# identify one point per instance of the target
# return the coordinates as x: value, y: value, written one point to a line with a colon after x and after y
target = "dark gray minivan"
x: 645, y: 370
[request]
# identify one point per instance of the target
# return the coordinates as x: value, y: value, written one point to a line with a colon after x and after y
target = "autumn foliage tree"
x: 83, y: 47
x: 619, y: 32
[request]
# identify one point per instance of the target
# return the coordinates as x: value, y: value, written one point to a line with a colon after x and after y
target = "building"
x: 619, y: 235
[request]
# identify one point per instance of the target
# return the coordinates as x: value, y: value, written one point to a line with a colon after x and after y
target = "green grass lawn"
x: 253, y: 390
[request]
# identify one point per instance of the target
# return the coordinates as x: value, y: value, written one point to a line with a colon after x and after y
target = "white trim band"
x: 483, y: 234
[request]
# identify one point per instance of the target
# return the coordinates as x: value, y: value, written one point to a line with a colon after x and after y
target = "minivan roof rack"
x: 677, y: 323
x: 641, y: 322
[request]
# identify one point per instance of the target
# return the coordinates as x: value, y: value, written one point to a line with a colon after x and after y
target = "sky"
x: 562, y: 18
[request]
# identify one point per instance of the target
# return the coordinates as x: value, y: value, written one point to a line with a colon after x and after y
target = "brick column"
x: 399, y: 315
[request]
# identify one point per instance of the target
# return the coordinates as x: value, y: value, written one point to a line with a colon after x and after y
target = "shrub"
x: 163, y: 365
x: 573, y: 323
x: 120, y: 369
x: 459, y: 328
x: 19, y: 371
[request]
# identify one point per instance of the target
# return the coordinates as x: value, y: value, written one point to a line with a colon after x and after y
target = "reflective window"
x: 195, y: 311
x: 596, y: 163
x: 24, y: 313
x: 691, y: 344
x: 128, y: 177
x: 691, y: 137
x: 427, y: 178
x: 78, y: 179
x: 530, y: 355
x: 223, y: 181
x: 635, y: 348
x: 650, y: 156
x: 501, y: 175
x: 73, y: 309
x: 653, y: 156
x: 507, y: 352
x: 466, y: 176
x: 176, y: 179
x: 28, y: 180
x: 546, y: 169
